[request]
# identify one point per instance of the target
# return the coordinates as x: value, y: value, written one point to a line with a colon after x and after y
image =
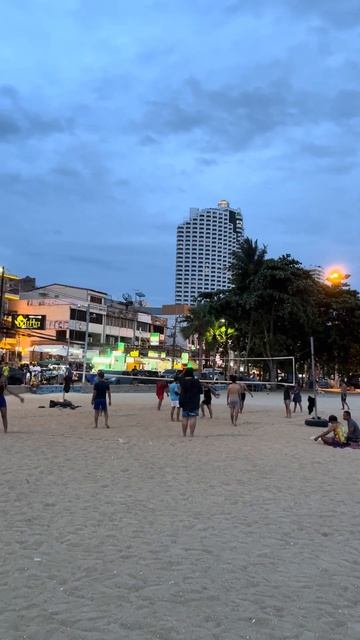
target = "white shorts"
x: 174, y: 403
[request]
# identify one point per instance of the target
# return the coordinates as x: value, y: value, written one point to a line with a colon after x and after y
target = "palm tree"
x: 197, y: 323
x: 248, y: 261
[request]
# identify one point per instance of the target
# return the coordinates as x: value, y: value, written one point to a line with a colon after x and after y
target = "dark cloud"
x: 114, y: 147
x: 339, y: 14
x: 20, y: 122
x: 230, y: 118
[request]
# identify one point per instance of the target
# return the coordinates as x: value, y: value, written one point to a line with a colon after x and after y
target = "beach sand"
x: 137, y: 533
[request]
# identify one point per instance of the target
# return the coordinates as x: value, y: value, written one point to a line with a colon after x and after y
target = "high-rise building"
x: 205, y: 244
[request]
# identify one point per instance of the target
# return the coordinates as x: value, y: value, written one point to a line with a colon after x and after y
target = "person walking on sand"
x: 209, y: 391
x: 98, y: 400
x: 3, y: 405
x: 162, y: 387
x: 190, y: 392
x: 287, y: 402
x: 343, y: 395
x: 174, y: 392
x: 297, y: 399
x: 243, y: 391
x: 233, y: 399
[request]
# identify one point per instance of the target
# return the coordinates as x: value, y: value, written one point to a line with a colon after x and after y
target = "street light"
x: 336, y: 276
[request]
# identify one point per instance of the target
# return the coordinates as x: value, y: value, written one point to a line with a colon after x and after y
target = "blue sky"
x: 117, y: 117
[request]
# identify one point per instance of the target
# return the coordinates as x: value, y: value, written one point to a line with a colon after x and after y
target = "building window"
x: 96, y: 300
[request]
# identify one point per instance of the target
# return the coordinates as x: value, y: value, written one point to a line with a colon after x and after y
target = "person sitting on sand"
x: 353, y: 434
x: 101, y: 388
x: 233, y: 399
x: 3, y: 405
x: 338, y: 437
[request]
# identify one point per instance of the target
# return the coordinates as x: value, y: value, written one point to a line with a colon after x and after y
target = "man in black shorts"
x: 101, y: 388
x: 208, y: 392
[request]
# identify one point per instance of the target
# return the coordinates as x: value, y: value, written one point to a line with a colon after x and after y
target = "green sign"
x: 121, y: 346
x: 184, y: 358
x: 154, y: 339
x: 153, y: 354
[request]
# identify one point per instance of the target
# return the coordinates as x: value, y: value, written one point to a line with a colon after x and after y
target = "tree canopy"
x: 272, y: 308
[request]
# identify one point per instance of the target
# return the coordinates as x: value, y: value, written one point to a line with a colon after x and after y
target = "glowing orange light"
x: 336, y: 275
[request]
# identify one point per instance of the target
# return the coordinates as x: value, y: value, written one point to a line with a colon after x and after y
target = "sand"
x: 137, y: 533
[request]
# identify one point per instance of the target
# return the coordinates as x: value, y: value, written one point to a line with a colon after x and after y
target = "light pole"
x: 313, y: 375
x: 2, y: 285
x: 86, y: 342
x: 174, y: 335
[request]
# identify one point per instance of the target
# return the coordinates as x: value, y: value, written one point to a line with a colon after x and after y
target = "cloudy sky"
x: 116, y: 117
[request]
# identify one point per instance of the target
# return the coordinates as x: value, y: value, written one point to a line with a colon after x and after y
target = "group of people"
x: 292, y: 396
x: 185, y: 393
x: 336, y: 436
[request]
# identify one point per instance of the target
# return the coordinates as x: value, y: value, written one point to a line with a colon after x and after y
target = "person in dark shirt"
x: 189, y: 400
x: 353, y: 434
x: 287, y: 402
x: 68, y: 380
x: 209, y: 391
x: 101, y: 389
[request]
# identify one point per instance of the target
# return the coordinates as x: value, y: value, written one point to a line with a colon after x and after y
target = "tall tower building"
x: 204, y: 248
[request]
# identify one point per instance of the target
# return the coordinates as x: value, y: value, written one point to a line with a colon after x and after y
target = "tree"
x: 196, y: 323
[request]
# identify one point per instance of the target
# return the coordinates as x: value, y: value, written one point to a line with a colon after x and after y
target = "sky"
x: 117, y: 117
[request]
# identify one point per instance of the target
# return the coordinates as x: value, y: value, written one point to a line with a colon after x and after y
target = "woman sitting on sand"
x: 338, y: 437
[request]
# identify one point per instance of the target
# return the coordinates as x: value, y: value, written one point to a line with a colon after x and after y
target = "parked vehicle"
x: 354, y: 381
x: 171, y: 373
x: 16, y: 376
x: 323, y: 383
x: 212, y: 374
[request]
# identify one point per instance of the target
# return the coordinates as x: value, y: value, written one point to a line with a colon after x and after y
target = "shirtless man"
x: 234, y: 399
x: 343, y: 396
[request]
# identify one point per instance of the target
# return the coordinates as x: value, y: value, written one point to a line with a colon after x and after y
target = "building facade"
x: 204, y: 248
x: 59, y: 315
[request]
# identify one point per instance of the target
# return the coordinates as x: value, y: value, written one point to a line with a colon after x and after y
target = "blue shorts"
x: 189, y: 414
x: 100, y: 405
x: 2, y: 402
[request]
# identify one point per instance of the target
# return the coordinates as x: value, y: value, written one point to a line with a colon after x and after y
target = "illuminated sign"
x: 163, y: 354
x: 153, y: 354
x: 121, y: 346
x: 154, y: 339
x: 26, y: 321
x: 134, y: 354
x: 184, y: 358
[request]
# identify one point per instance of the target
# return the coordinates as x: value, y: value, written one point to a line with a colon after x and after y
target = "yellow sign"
x: 26, y: 321
x: 134, y: 354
